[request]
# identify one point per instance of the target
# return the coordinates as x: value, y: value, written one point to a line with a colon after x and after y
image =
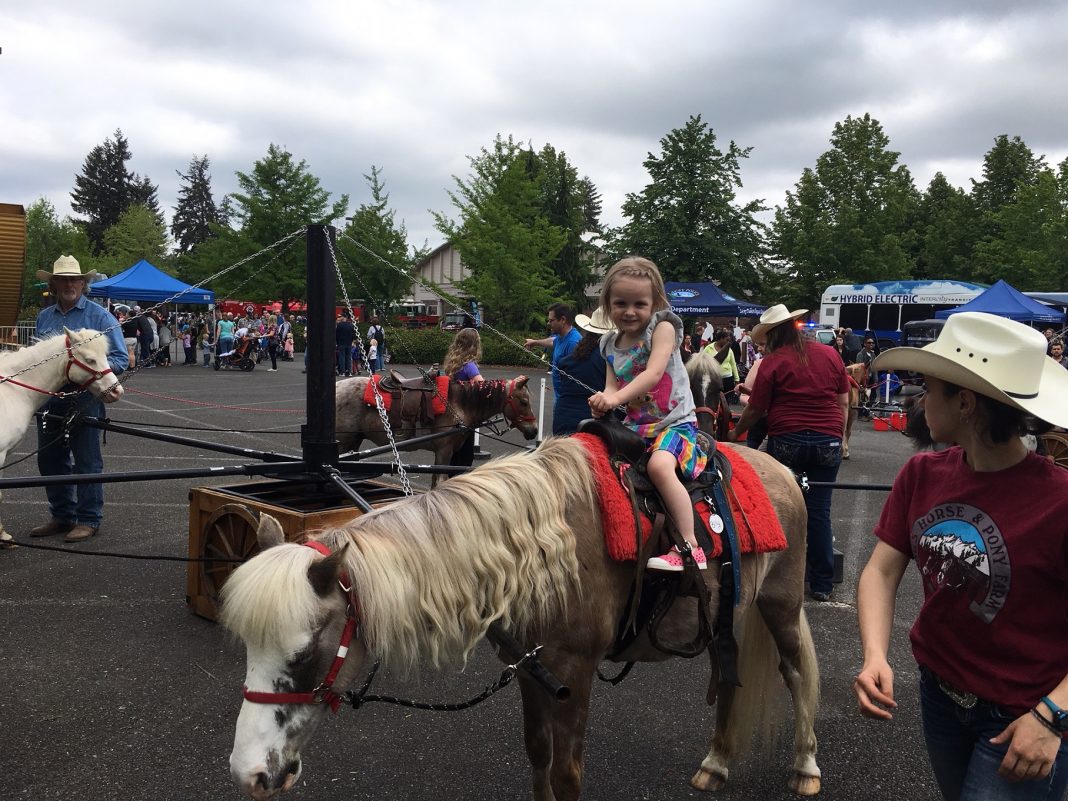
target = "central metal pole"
x: 318, y: 438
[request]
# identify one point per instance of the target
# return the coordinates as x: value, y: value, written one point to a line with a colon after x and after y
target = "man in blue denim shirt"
x: 77, y: 510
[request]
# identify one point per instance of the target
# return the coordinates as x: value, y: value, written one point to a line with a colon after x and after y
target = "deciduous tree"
x: 572, y: 204
x: 279, y: 196
x: 1031, y: 249
x: 137, y: 235
x: 48, y: 238
x: 946, y: 231
x: 504, y: 238
x: 848, y: 219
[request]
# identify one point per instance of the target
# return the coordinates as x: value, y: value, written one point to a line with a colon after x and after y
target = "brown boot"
x: 51, y: 528
x: 80, y: 532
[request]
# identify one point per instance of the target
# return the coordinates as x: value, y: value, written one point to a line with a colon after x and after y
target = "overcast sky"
x: 417, y: 87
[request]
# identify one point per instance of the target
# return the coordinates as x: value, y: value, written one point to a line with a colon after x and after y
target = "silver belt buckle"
x: 960, y: 698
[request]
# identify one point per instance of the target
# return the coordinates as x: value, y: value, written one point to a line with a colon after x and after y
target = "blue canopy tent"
x: 1005, y: 301
x: 146, y: 282
x: 708, y: 300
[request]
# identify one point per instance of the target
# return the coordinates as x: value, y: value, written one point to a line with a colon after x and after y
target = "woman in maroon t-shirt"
x: 803, y: 388
x: 985, y: 522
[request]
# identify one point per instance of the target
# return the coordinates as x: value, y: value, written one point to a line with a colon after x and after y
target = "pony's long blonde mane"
x: 434, y: 571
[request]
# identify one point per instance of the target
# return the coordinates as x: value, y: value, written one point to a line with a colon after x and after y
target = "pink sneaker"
x: 672, y: 561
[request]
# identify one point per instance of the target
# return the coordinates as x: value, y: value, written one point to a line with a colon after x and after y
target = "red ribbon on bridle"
x: 324, y: 692
x: 72, y: 361
x: 510, y: 403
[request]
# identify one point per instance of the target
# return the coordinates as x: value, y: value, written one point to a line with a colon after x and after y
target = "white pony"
x: 30, y: 376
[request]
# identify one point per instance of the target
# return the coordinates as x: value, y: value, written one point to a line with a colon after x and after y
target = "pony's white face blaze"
x: 268, y: 738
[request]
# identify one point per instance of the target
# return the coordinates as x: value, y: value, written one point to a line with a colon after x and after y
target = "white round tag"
x: 716, y: 523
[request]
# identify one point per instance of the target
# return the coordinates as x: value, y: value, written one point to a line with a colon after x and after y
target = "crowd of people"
x: 154, y: 338
x: 983, y: 518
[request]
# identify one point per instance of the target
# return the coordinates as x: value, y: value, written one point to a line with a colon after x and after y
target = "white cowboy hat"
x: 773, y: 316
x: 66, y: 266
x: 596, y: 323
x: 993, y: 356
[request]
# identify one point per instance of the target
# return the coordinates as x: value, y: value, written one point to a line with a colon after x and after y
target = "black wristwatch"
x: 1060, y: 716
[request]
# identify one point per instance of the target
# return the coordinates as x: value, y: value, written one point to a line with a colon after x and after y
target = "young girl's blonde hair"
x: 635, y: 267
x: 466, y: 347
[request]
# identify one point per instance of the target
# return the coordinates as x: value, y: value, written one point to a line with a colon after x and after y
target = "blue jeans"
x: 818, y: 456
x: 344, y: 359
x: 82, y: 503
x: 964, y: 761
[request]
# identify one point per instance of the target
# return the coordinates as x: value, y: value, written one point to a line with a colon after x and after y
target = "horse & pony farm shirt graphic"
x: 959, y: 547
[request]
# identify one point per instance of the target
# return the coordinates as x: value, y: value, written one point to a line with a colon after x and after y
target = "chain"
x: 286, y: 240
x: 360, y: 697
x: 133, y: 370
x: 457, y: 418
x: 380, y: 404
x: 432, y: 287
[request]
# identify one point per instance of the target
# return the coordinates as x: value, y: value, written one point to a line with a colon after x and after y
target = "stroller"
x: 242, y: 357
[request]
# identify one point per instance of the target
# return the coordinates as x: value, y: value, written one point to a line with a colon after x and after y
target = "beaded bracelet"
x: 1049, y: 725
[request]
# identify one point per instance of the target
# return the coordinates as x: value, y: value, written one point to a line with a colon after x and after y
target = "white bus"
x: 883, y: 307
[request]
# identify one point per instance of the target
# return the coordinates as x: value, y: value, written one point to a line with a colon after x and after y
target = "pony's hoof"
x: 6, y: 540
x: 707, y: 781
x: 804, y: 785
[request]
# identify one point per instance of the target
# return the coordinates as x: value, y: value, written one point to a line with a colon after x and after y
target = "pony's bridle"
x: 510, y: 404
x: 324, y: 693
x: 72, y: 361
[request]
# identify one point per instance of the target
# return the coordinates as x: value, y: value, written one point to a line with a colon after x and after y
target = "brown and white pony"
x: 470, y: 403
x: 706, y: 386
x: 30, y: 376
x: 517, y: 541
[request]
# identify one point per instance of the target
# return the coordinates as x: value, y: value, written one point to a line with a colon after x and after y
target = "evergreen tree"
x: 503, y: 236
x: 848, y: 219
x: 105, y: 189
x: 196, y: 211
x: 384, y: 249
x: 687, y: 218
x: 279, y: 196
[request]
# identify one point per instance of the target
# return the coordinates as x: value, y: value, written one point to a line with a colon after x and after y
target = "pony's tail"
x: 753, y: 708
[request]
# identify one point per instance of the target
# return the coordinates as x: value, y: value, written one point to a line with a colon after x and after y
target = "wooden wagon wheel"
x: 230, y: 533
x: 1057, y: 447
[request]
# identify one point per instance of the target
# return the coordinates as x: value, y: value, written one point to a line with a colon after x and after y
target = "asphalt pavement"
x: 112, y: 689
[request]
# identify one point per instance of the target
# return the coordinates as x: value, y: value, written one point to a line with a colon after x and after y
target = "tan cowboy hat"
x: 773, y: 316
x: 993, y: 356
x: 66, y: 267
x: 596, y: 323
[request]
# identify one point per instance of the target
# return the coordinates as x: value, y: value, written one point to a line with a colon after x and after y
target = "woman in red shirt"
x: 803, y: 389
x: 986, y: 522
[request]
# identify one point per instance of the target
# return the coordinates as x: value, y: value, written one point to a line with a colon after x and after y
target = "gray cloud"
x: 416, y: 87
